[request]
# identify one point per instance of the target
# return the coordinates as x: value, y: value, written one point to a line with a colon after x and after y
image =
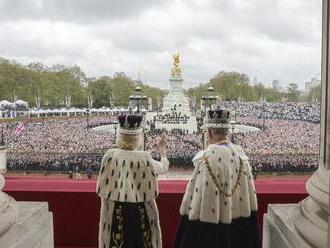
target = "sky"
x: 266, y: 39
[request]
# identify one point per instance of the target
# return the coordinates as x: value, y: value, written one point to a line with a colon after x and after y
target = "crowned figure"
x: 127, y: 186
x: 219, y: 208
x: 176, y: 70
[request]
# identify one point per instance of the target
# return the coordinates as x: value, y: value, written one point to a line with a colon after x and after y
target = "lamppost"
x: 263, y: 115
x: 87, y: 118
x: 2, y: 142
x: 208, y: 99
x: 137, y: 99
x: 3, y: 160
x: 145, y: 131
x: 235, y: 107
x: 3, y: 150
x: 2, y: 111
x: 232, y: 131
x: 115, y: 126
x: 211, y: 96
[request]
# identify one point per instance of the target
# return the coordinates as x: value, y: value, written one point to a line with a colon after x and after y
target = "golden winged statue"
x: 176, y: 70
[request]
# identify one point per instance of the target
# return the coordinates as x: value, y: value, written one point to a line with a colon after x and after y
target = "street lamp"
x: 3, y: 151
x: 263, y: 116
x: 208, y: 98
x: 235, y: 107
x: 138, y: 99
x: 211, y: 96
x: 115, y: 126
x: 87, y: 118
x: 145, y: 131
x: 232, y: 131
x: 2, y: 142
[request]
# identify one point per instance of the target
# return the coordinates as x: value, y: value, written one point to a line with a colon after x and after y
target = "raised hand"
x: 162, y: 144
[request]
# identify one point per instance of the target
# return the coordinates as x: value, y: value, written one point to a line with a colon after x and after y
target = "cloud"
x: 267, y: 39
x: 76, y: 11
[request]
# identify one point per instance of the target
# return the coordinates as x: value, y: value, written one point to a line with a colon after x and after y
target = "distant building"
x: 276, y: 84
x: 308, y: 86
x: 315, y: 82
x: 311, y: 84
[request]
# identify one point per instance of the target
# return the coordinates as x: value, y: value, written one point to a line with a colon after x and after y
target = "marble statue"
x: 175, y: 103
x: 176, y: 70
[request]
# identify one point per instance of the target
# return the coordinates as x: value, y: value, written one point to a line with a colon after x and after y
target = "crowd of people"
x: 53, y: 162
x: 286, y: 144
x: 300, y: 111
x: 279, y: 137
x: 284, y: 163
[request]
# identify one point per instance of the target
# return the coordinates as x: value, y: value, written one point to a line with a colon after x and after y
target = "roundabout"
x: 241, y: 128
x: 111, y: 128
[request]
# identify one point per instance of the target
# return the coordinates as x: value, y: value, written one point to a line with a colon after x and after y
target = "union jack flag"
x: 19, y: 128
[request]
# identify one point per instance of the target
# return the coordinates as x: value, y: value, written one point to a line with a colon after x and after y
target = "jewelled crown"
x: 130, y: 124
x: 217, y: 118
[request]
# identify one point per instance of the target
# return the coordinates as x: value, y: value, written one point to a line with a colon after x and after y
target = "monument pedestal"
x: 301, y: 225
x: 279, y: 227
x: 34, y: 228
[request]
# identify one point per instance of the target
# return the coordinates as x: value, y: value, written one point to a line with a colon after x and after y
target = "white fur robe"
x: 203, y: 201
x: 129, y: 176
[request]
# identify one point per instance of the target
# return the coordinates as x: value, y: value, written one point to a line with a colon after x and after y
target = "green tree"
x: 233, y: 86
x: 52, y: 85
x: 314, y: 94
x: 101, y: 90
x: 293, y: 92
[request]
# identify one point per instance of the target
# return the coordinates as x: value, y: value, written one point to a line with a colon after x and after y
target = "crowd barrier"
x: 90, y: 162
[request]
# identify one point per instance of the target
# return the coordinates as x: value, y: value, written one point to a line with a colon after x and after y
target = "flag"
x: 19, y: 128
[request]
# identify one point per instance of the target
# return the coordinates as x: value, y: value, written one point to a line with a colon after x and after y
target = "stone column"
x: 8, y: 212
x: 325, y: 112
x: 305, y: 225
x: 312, y: 221
x: 23, y: 224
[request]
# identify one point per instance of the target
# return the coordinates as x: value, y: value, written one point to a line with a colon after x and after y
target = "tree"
x: 78, y: 74
x: 101, y: 90
x: 118, y: 89
x: 36, y: 81
x: 314, y: 94
x: 232, y: 86
x: 37, y: 67
x: 54, y: 85
x: 293, y: 92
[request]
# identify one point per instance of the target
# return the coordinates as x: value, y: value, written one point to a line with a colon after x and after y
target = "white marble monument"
x: 23, y: 224
x: 176, y: 101
x: 176, y: 97
x: 305, y: 225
